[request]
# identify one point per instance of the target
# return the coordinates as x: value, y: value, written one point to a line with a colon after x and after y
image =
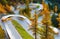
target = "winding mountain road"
x: 11, y: 29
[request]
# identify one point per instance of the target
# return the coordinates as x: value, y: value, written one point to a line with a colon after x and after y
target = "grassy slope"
x: 21, y: 31
x: 2, y: 34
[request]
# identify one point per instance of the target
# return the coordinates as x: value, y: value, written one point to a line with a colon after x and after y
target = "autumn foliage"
x: 2, y: 10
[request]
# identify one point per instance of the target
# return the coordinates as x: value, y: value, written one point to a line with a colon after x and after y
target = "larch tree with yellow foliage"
x: 58, y: 19
x: 27, y: 8
x: 34, y: 25
x: 45, y: 31
x: 2, y: 9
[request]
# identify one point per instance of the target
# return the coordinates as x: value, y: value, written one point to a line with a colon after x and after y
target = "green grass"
x: 21, y: 31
